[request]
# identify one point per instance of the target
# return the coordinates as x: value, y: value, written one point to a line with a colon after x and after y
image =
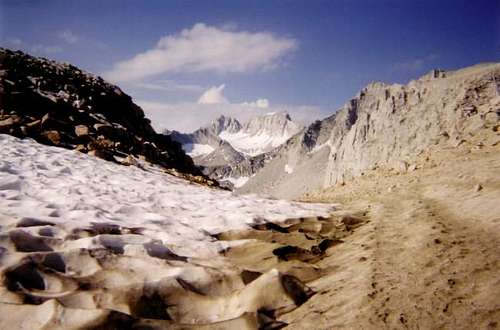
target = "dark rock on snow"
x: 60, y: 105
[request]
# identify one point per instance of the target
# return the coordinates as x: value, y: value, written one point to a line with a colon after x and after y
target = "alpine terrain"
x: 231, y: 152
x: 383, y: 215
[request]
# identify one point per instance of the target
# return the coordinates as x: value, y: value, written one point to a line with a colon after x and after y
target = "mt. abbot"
x: 230, y: 151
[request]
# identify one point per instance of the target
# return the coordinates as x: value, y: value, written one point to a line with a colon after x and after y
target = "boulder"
x: 52, y: 136
x: 6, y: 125
x: 81, y: 130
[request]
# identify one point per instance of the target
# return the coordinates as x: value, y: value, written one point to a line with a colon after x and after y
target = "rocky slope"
x: 231, y: 152
x: 61, y: 105
x: 384, y: 126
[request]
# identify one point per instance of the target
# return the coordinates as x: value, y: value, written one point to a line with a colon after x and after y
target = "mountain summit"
x: 262, y: 134
x: 225, y: 124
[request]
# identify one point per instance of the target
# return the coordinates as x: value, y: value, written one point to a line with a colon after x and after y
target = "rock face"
x: 59, y: 104
x: 385, y: 126
x: 231, y: 152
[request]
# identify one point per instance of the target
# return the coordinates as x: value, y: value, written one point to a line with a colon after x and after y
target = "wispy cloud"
x: 46, y: 49
x: 68, y: 37
x: 205, y: 48
x: 168, y: 86
x: 39, y: 49
x: 16, y: 42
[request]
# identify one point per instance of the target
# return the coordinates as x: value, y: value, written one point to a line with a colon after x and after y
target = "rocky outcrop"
x: 385, y: 126
x: 61, y: 105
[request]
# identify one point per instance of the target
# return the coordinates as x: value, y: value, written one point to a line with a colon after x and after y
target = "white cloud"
x: 187, y: 117
x: 68, y: 37
x: 213, y: 95
x: 205, y: 49
x: 260, y: 103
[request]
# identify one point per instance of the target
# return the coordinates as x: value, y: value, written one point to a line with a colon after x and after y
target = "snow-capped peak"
x: 261, y: 134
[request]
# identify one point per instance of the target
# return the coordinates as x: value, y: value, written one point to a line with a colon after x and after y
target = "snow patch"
x: 288, y: 169
x: 196, y: 149
x: 253, y: 145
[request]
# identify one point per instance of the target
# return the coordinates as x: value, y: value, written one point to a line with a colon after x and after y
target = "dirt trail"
x: 431, y: 269
x: 429, y: 257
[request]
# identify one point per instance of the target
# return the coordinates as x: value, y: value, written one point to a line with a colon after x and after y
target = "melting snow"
x: 73, y: 190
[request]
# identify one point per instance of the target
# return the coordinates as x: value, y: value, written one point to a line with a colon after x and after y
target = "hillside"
x: 383, y: 127
x: 60, y: 105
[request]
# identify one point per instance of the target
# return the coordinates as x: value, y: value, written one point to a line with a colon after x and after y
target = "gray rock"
x: 380, y: 126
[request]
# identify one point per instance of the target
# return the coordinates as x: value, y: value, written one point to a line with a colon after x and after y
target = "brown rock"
x: 6, y: 123
x: 53, y: 136
x: 81, y: 130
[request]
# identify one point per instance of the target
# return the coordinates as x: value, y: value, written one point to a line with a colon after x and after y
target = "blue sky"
x: 308, y: 57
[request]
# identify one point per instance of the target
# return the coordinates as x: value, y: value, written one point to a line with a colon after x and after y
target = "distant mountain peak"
x: 261, y: 134
x: 224, y: 123
x: 231, y: 151
x: 274, y: 124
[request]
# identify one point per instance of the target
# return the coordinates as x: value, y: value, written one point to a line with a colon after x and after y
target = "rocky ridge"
x: 61, y: 105
x: 385, y: 126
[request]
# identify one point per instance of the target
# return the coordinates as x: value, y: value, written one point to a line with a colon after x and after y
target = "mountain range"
x: 231, y: 152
